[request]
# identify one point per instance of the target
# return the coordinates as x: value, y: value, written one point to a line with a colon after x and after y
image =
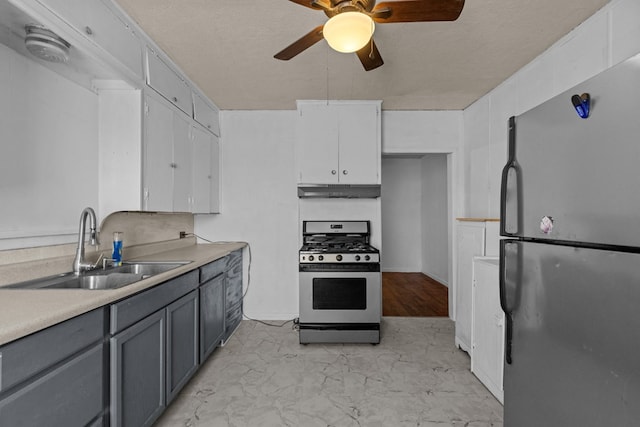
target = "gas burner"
x: 337, y: 242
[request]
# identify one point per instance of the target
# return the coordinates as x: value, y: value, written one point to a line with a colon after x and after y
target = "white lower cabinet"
x: 487, y: 333
x: 474, y: 237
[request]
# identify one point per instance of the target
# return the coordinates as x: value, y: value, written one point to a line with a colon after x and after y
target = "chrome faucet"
x: 79, y: 263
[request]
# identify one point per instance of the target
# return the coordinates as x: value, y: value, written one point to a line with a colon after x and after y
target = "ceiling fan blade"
x: 370, y: 56
x: 312, y: 4
x: 417, y: 11
x: 304, y: 42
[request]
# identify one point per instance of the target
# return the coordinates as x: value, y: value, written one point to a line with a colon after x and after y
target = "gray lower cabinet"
x: 212, y: 315
x: 233, y: 294
x: 138, y: 373
x: 56, y: 376
x: 182, y: 342
x: 154, y: 349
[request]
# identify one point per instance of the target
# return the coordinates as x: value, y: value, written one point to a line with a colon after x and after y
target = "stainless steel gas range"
x: 340, y: 283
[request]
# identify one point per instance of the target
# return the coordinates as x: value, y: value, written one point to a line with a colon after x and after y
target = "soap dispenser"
x: 116, y: 254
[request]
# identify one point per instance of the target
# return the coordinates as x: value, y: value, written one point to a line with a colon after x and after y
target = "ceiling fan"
x: 351, y: 24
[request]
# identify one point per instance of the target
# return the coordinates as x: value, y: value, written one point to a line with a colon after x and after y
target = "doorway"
x: 416, y: 234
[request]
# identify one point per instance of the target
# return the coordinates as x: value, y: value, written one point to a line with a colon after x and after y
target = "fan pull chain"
x: 371, y: 51
x: 327, y: 68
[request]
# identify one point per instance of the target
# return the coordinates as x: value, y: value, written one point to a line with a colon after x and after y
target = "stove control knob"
x: 338, y: 257
x: 310, y: 257
x: 320, y: 257
x: 367, y: 257
x: 357, y: 257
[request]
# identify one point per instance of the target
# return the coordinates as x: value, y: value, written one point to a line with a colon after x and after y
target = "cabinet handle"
x: 88, y: 30
x: 173, y: 165
x: 333, y: 172
x: 174, y: 99
x: 345, y: 172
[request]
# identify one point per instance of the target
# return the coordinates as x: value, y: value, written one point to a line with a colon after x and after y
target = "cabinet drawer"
x: 168, y: 83
x: 70, y: 395
x: 27, y: 356
x: 213, y: 269
x: 98, y: 23
x: 234, y: 293
x: 131, y: 310
x: 233, y: 314
x: 234, y: 317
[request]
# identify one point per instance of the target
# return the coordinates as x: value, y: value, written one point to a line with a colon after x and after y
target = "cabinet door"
x: 487, y: 352
x: 158, y: 156
x: 182, y: 342
x: 182, y: 172
x: 212, y: 314
x: 69, y: 395
x: 138, y: 372
x: 317, y: 144
x: 98, y: 23
x: 202, y: 146
x: 204, y: 114
x: 470, y: 243
x: 164, y: 80
x: 214, y: 199
x: 360, y: 152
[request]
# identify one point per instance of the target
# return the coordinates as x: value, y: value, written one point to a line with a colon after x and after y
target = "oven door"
x: 340, y: 297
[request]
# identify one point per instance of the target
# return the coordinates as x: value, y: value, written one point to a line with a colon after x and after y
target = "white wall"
x: 435, y: 217
x: 259, y: 205
x: 608, y: 37
x: 48, y: 153
x: 401, y: 196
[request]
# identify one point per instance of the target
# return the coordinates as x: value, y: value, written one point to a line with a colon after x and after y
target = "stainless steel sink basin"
x: 147, y: 269
x: 110, y: 278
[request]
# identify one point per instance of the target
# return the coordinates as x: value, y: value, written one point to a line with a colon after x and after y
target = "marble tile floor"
x: 264, y: 377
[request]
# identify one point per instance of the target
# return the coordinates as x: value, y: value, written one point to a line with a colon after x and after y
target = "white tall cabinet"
x: 474, y: 237
x: 487, y: 330
x: 339, y: 142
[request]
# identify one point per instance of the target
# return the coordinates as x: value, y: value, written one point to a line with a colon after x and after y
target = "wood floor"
x: 413, y: 295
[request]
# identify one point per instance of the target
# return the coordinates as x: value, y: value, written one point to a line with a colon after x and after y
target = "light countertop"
x: 25, y: 311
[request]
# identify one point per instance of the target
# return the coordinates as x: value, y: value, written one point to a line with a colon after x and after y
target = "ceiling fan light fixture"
x: 348, y: 32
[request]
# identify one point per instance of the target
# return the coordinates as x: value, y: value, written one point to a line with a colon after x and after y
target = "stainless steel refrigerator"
x: 570, y: 262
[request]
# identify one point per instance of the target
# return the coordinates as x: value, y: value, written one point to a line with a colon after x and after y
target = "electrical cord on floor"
x: 293, y: 321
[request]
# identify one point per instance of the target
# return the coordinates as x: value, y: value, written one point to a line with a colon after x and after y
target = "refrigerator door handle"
x: 510, y: 189
x: 503, y: 296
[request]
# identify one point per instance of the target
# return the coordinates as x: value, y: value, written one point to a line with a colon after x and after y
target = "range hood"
x: 344, y: 191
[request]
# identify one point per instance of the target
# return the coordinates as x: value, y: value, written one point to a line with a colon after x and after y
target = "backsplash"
x: 145, y: 233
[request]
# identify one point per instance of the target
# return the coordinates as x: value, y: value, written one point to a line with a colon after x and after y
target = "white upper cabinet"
x: 158, y: 156
x: 206, y: 176
x: 206, y: 172
x: 167, y: 159
x: 339, y: 142
x: 182, y: 163
x: 168, y: 83
x: 216, y: 166
x: 98, y: 23
x: 206, y: 115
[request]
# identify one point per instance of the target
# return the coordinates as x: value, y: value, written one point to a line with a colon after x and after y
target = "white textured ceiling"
x: 226, y: 47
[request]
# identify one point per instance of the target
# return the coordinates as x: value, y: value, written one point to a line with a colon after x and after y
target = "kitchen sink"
x: 109, y: 278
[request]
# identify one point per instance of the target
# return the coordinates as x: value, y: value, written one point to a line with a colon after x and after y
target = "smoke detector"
x: 45, y: 44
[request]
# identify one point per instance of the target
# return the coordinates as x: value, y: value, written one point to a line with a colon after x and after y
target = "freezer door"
x: 573, y: 345
x: 575, y: 179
